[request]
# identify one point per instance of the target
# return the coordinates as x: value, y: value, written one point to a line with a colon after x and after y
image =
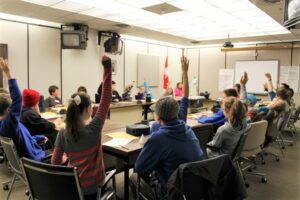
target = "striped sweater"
x: 86, y: 153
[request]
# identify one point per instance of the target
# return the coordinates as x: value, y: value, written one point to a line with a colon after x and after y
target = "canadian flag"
x: 166, y: 75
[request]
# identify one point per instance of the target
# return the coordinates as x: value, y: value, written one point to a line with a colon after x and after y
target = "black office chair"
x: 13, y: 159
x: 204, y: 134
x: 236, y: 155
x: 271, y: 136
x: 48, y: 182
x: 209, y: 179
x: 259, y: 116
x: 281, y: 127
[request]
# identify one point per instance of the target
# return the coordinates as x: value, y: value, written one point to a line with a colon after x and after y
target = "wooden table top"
x: 134, y: 146
x: 125, y: 104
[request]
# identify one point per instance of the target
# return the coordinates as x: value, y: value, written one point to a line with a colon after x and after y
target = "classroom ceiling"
x: 245, y: 21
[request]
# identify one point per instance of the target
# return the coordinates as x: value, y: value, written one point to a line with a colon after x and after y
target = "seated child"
x: 178, y: 90
x: 82, y: 89
x: 54, y: 99
x: 32, y: 119
x: 141, y: 94
x: 228, y: 135
x: 10, y: 126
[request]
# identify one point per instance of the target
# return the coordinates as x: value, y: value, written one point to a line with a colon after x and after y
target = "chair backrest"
x: 203, y: 132
x: 283, y: 120
x: 298, y: 112
x: 295, y: 115
x: 11, y: 154
x: 214, y: 178
x: 240, y: 145
x: 255, y: 138
x: 42, y: 105
x: 260, y: 116
x: 97, y: 98
x: 50, y: 182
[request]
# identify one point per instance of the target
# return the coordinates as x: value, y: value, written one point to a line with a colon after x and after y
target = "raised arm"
x: 106, y: 90
x: 185, y: 81
x: 269, y: 82
x: 243, y: 82
x: 14, y: 90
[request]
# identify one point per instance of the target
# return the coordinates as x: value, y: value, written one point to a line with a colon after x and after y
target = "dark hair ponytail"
x: 237, y: 112
x: 78, y: 103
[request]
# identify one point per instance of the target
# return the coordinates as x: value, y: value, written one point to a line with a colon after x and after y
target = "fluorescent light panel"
x: 199, y: 19
x: 28, y: 20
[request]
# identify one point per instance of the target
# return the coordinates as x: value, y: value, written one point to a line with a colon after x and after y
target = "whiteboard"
x: 256, y: 72
x: 148, y: 70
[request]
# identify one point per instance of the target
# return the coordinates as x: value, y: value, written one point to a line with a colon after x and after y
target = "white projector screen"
x: 256, y: 72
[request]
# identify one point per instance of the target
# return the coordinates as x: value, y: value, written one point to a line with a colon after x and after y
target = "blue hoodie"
x: 217, y: 119
x: 11, y: 127
x: 172, y: 144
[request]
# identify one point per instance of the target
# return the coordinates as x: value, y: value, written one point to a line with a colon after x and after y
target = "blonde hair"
x: 5, y: 102
x: 236, y: 111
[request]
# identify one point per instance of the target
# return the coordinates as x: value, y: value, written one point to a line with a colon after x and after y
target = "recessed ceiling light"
x: 198, y: 19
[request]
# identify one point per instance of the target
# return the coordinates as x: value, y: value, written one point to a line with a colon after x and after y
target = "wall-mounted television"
x: 292, y: 14
x: 73, y: 40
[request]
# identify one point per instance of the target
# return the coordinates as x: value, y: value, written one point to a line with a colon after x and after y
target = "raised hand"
x: 268, y: 76
x: 184, y: 64
x: 106, y: 61
x: 4, y: 66
x: 244, y: 79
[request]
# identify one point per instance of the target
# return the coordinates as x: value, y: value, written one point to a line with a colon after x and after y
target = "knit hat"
x: 252, y: 99
x: 167, y: 109
x: 30, y: 97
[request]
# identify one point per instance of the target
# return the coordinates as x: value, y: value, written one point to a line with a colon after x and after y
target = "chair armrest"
x: 48, y: 156
x: 109, y: 175
x: 213, y: 148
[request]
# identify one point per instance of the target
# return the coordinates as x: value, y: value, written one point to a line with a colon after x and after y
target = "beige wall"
x: 15, y: 35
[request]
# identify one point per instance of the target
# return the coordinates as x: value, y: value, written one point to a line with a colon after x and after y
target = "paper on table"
x: 118, y: 142
x: 49, y: 115
x: 121, y: 135
x: 192, y: 116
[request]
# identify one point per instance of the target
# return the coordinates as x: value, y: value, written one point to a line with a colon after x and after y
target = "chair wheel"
x: 263, y: 162
x: 283, y: 147
x: 5, y: 187
x: 277, y: 159
x: 27, y: 192
x: 247, y: 185
x: 291, y: 144
x: 263, y: 179
x: 249, y: 170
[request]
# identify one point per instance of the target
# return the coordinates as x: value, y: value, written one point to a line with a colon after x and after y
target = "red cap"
x: 30, y: 97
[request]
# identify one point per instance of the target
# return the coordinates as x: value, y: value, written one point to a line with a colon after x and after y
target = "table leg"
x: 126, y: 181
x: 146, y: 109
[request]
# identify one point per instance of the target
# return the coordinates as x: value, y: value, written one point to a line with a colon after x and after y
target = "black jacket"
x: 35, y: 124
x: 211, y: 179
x: 115, y: 95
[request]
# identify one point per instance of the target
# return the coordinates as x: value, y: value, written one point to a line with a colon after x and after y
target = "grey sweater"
x: 226, y: 139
